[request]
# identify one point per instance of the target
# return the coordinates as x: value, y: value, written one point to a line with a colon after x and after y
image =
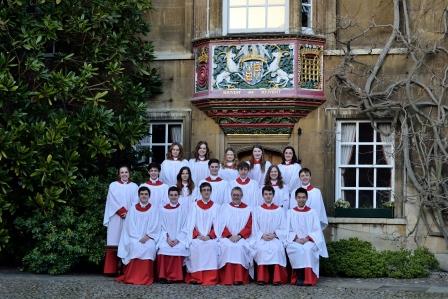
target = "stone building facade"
x: 241, y: 72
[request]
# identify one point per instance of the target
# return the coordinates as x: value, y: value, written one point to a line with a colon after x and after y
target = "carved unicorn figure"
x: 281, y: 77
x: 231, y: 68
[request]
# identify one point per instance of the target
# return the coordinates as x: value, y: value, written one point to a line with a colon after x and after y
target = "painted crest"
x: 252, y: 71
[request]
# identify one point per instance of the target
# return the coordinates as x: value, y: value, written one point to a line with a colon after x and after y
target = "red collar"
x: 209, y: 179
x: 204, y: 206
x: 142, y: 209
x: 271, y: 207
x: 309, y: 187
x: 256, y: 161
x: 242, y: 205
x: 240, y: 181
x: 304, y: 209
x: 157, y: 183
x: 170, y: 207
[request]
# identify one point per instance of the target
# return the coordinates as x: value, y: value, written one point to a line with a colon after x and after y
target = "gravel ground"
x: 15, y: 284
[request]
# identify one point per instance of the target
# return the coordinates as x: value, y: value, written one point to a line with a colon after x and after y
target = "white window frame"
x: 308, y: 29
x: 356, y: 143
x: 226, y: 11
x: 166, y: 144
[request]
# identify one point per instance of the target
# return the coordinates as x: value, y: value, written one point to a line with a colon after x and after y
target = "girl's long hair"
x: 190, y: 184
x: 169, y: 156
x: 262, y: 160
x: 267, y: 179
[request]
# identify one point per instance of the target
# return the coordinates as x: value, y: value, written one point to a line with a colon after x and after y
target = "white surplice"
x: 186, y: 198
x: 269, y: 219
x: 173, y: 224
x: 290, y: 175
x: 314, y: 201
x: 251, y: 191
x: 220, y: 189
x: 199, y: 170
x: 170, y: 169
x: 136, y: 226
x: 228, y: 174
x: 305, y: 224
x: 281, y: 196
x: 257, y: 174
x: 159, y: 192
x: 119, y: 195
x: 203, y: 254
x: 235, y: 219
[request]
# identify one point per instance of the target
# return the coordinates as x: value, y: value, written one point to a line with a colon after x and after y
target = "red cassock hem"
x: 272, y: 273
x: 170, y: 267
x: 206, y: 277
x: 310, y: 279
x: 111, y: 261
x: 138, y: 272
x: 233, y: 274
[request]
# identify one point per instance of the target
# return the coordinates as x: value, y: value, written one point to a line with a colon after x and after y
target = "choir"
x: 206, y: 222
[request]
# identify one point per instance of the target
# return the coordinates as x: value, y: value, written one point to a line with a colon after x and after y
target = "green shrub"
x: 356, y: 258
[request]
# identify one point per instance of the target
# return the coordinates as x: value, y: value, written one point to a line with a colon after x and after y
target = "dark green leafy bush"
x: 356, y: 258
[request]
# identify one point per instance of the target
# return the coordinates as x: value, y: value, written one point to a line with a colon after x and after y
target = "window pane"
x: 257, y: 18
x: 237, y: 2
x: 306, y: 16
x: 366, y: 177
x: 383, y: 177
x: 158, y: 153
x: 380, y: 157
x: 348, y: 177
x: 350, y: 196
x: 257, y: 2
x: 365, y: 154
x: 271, y: 2
x: 347, y: 154
x: 174, y: 133
x: 365, y: 199
x: 158, y: 133
x: 365, y: 132
x: 306, y: 1
x: 276, y: 17
x: 237, y: 18
x: 382, y: 197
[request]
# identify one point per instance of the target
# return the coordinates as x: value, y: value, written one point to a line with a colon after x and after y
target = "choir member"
x: 258, y: 165
x: 236, y: 254
x: 172, y: 164
x: 220, y: 187
x: 159, y: 190
x: 199, y: 164
x: 315, y: 200
x: 172, y: 244
x: 202, y: 264
x: 228, y: 170
x: 274, y: 178
x: 250, y: 187
x: 269, y: 238
x: 121, y: 195
x: 186, y: 187
x: 305, y: 241
x: 290, y: 168
x: 137, y: 248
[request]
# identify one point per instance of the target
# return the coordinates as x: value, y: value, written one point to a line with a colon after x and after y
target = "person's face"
x: 268, y: 196
x: 305, y: 178
x: 174, y: 197
x: 124, y: 174
x: 230, y: 156
x: 144, y: 197
x: 154, y: 173
x: 214, y: 169
x: 288, y: 154
x: 206, y: 192
x: 301, y: 199
x: 175, y: 151
x: 236, y: 197
x: 243, y: 172
x: 273, y: 175
x: 256, y: 152
x: 185, y: 175
x: 202, y: 151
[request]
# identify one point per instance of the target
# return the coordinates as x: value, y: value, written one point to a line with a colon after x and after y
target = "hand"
x: 235, y: 238
x: 268, y: 237
x: 123, y: 215
x: 204, y: 238
x: 144, y: 239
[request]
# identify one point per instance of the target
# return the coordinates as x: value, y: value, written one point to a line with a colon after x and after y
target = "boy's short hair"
x: 173, y: 188
x: 268, y: 188
x: 242, y: 165
x: 154, y: 165
x: 211, y: 161
x: 305, y: 170
x: 144, y: 188
x: 301, y: 190
x: 205, y: 184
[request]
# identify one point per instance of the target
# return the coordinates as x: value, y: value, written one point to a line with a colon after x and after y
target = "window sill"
x: 350, y: 220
